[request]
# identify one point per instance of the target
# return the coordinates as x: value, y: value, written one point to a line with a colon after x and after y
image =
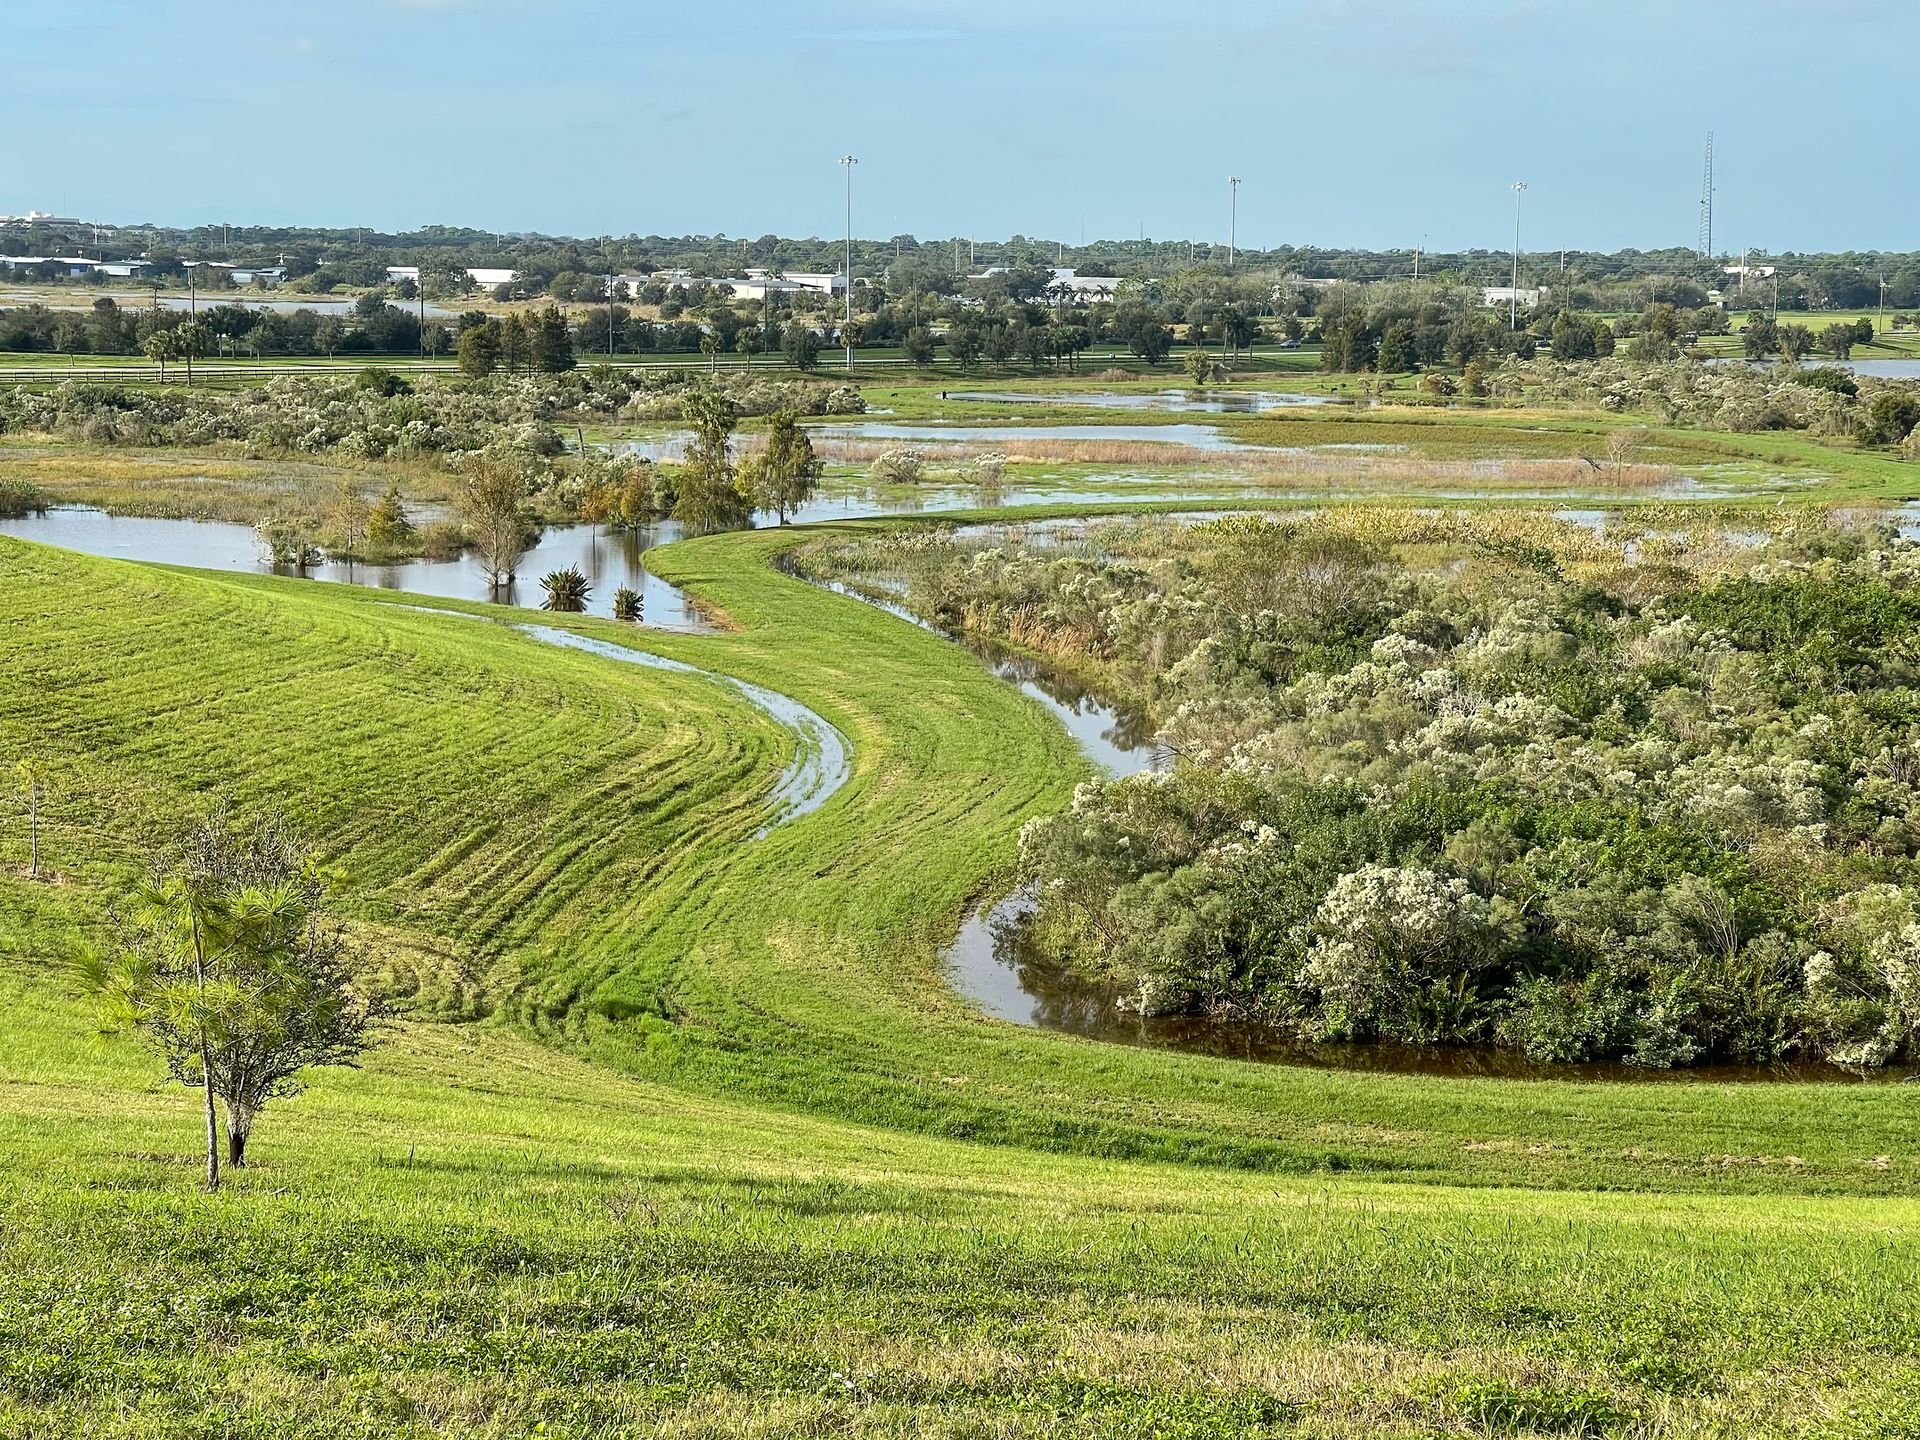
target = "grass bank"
x: 742, y: 1186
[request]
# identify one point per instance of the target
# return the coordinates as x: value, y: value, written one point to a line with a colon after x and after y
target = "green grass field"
x: 687, y: 1136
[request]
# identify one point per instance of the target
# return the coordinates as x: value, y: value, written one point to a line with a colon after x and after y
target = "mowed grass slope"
x: 752, y: 1216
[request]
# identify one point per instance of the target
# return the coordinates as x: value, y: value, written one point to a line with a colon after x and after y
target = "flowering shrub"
x: 1650, y: 794
x: 303, y: 414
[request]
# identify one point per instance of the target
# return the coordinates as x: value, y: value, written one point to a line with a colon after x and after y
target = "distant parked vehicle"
x: 1289, y: 344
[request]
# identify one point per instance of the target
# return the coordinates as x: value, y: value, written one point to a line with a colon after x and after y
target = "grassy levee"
x: 676, y: 1217
x: 809, y: 974
x: 803, y: 969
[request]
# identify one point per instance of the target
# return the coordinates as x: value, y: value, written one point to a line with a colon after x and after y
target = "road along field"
x: 687, y: 1135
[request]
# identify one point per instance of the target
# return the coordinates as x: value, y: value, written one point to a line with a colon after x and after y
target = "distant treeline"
x: 320, y: 259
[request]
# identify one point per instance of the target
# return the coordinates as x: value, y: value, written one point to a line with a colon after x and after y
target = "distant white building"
x: 41, y: 217
x: 73, y: 266
x: 1494, y: 296
x: 758, y: 285
x: 397, y: 273
x: 485, y: 278
x: 1068, y: 284
x: 257, y: 274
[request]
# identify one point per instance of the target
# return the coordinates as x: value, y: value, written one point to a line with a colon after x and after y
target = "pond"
x: 609, y: 560
x: 1194, y: 436
x: 1209, y: 402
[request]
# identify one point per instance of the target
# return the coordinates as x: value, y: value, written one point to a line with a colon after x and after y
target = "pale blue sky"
x: 1351, y: 121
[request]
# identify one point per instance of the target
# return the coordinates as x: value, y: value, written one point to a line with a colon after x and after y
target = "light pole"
x: 1233, y: 217
x: 846, y: 329
x: 1513, y: 291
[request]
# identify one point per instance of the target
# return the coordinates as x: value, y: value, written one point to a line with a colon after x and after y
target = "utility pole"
x: 609, y: 317
x: 846, y: 330
x: 1513, y: 291
x: 1706, y: 203
x: 1233, y: 217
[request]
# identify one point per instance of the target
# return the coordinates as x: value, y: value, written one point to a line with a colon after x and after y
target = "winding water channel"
x: 992, y: 961
x: 995, y: 964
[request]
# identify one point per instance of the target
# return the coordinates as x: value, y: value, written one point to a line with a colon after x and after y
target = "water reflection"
x: 1195, y: 436
x: 609, y: 559
x: 995, y: 964
x: 1210, y: 402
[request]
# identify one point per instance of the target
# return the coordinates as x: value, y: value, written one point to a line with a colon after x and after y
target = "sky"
x: 1380, y: 123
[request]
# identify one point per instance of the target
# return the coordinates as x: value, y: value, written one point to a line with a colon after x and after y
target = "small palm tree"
x: 159, y: 348
x: 566, y: 590
x: 626, y: 604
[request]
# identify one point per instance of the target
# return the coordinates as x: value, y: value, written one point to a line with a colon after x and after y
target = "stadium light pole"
x: 846, y: 329
x: 1233, y: 217
x: 1513, y: 291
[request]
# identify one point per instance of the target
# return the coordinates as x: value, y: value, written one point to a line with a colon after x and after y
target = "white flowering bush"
x: 1643, y: 794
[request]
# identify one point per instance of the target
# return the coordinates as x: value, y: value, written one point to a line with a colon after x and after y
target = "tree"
x: 1761, y: 336
x: 964, y: 343
x: 709, y: 496
x: 1793, y: 341
x: 388, y: 528
x: 917, y: 345
x: 1396, y: 349
x: 786, y: 473
x: 550, y: 343
x: 802, y: 346
x: 1348, y: 344
x: 479, y: 351
x: 747, y: 342
x: 351, y: 512
x: 1150, y: 340
x: 1473, y: 380
x: 227, y: 961
x: 1838, y: 340
x: 492, y: 504
x: 32, y: 781
x: 1202, y: 368
x: 1889, y: 417
x: 1573, y: 337
x: 158, y: 347
x: 190, y: 340
x: 710, y: 347
x: 1239, y: 329
x: 328, y: 333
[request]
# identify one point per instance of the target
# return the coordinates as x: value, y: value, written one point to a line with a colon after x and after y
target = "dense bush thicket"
x: 1493, y: 778
x: 1824, y: 400
x: 377, y: 414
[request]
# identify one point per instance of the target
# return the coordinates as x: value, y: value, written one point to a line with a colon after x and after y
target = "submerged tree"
x: 227, y: 961
x: 787, y: 472
x: 709, y: 495
x: 492, y: 504
x: 388, y: 528
x: 566, y: 590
